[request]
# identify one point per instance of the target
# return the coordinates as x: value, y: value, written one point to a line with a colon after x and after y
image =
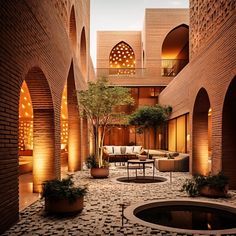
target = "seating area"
x: 175, y: 162
x: 164, y: 161
x: 121, y: 153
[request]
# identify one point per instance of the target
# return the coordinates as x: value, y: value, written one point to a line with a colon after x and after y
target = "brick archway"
x: 44, y: 161
x: 175, y: 50
x: 229, y: 134
x: 83, y: 52
x: 74, y: 124
x: 200, y: 142
x: 72, y: 27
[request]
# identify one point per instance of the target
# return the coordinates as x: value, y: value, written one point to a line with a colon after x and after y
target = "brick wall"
x: 207, y: 17
x: 33, y: 35
x: 212, y: 68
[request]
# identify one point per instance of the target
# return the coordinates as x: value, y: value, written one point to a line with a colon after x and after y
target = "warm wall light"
x: 188, y: 137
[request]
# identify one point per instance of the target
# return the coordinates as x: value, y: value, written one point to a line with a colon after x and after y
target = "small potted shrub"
x: 96, y: 171
x: 62, y: 196
x: 208, y: 186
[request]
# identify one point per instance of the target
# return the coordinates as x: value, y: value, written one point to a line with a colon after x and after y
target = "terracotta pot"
x: 213, y: 192
x: 63, y: 205
x: 99, y: 173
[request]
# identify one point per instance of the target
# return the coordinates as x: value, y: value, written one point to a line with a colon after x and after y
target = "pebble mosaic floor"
x: 102, y: 212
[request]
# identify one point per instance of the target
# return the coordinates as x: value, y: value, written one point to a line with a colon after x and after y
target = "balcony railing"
x: 171, y: 67
x: 118, y: 72
x: 168, y: 68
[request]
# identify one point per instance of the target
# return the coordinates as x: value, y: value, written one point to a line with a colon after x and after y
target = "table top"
x: 135, y: 161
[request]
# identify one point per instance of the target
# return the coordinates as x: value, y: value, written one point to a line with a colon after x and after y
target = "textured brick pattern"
x: 213, y: 69
x: 33, y: 36
x: 74, y: 126
x: 206, y: 18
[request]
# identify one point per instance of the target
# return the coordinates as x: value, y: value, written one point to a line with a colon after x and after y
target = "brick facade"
x: 211, y: 68
x: 36, y: 47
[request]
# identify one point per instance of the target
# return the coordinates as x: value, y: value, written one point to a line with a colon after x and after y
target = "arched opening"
x: 74, y: 125
x: 229, y: 134
x: 64, y: 131
x: 201, y: 140
x: 83, y: 54
x: 44, y: 151
x: 122, y: 59
x: 72, y: 29
x: 25, y: 149
x: 175, y: 51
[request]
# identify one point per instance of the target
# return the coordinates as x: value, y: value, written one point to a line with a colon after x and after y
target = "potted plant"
x: 150, y: 117
x: 95, y: 170
x: 208, y: 186
x: 62, y: 196
x: 98, y: 103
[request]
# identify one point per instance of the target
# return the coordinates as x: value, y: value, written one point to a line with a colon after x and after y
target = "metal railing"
x: 171, y: 67
x: 168, y: 68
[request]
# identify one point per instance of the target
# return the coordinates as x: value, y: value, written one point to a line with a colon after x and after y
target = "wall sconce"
x: 188, y: 137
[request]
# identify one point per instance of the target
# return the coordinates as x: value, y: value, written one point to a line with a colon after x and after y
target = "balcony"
x: 171, y: 67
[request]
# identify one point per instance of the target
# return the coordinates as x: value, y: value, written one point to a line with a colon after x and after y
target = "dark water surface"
x: 189, y: 217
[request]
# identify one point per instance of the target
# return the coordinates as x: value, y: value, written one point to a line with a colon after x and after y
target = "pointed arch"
x: 122, y: 57
x: 83, y: 52
x: 200, y: 133
x: 175, y: 50
x: 229, y: 134
x: 44, y: 158
x: 72, y: 27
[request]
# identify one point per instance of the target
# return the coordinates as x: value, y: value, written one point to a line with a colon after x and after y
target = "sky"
x: 123, y: 15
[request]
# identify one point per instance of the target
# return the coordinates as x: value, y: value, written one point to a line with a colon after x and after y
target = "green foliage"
x: 62, y: 189
x: 99, y: 100
x: 98, y: 103
x: 192, y: 186
x: 150, y: 116
x: 91, y: 161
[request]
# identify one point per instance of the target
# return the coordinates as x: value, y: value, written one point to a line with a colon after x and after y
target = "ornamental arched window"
x: 122, y: 59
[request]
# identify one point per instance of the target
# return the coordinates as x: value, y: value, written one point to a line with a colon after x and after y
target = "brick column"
x: 74, y: 126
x: 43, y: 160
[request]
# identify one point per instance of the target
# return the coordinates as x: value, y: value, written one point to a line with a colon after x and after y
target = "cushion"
x: 117, y: 150
x: 122, y: 149
x: 109, y: 149
x: 129, y: 149
x: 137, y: 149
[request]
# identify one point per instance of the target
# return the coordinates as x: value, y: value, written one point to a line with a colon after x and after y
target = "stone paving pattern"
x: 102, y: 212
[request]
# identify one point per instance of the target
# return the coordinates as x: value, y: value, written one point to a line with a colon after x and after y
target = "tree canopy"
x: 98, y: 102
x: 150, y: 116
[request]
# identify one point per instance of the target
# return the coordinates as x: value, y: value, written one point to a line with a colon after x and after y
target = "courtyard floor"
x: 102, y: 212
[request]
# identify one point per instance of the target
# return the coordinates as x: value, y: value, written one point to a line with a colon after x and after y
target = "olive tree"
x: 98, y: 102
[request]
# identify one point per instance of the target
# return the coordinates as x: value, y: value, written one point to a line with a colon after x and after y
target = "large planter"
x: 99, y: 173
x: 64, y: 205
x: 208, y: 191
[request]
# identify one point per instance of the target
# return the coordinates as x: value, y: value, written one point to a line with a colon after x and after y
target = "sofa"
x: 176, y: 163
x: 114, y: 153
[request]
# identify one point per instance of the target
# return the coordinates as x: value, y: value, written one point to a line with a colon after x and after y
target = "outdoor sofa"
x: 114, y: 153
x: 174, y: 162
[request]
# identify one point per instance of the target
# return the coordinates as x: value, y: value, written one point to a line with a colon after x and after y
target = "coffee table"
x: 138, y: 162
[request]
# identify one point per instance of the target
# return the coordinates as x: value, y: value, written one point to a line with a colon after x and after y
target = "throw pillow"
x: 129, y: 150
x: 137, y: 149
x: 109, y: 149
x: 117, y: 150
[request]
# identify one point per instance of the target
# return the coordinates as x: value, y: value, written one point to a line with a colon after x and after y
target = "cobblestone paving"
x: 102, y: 212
